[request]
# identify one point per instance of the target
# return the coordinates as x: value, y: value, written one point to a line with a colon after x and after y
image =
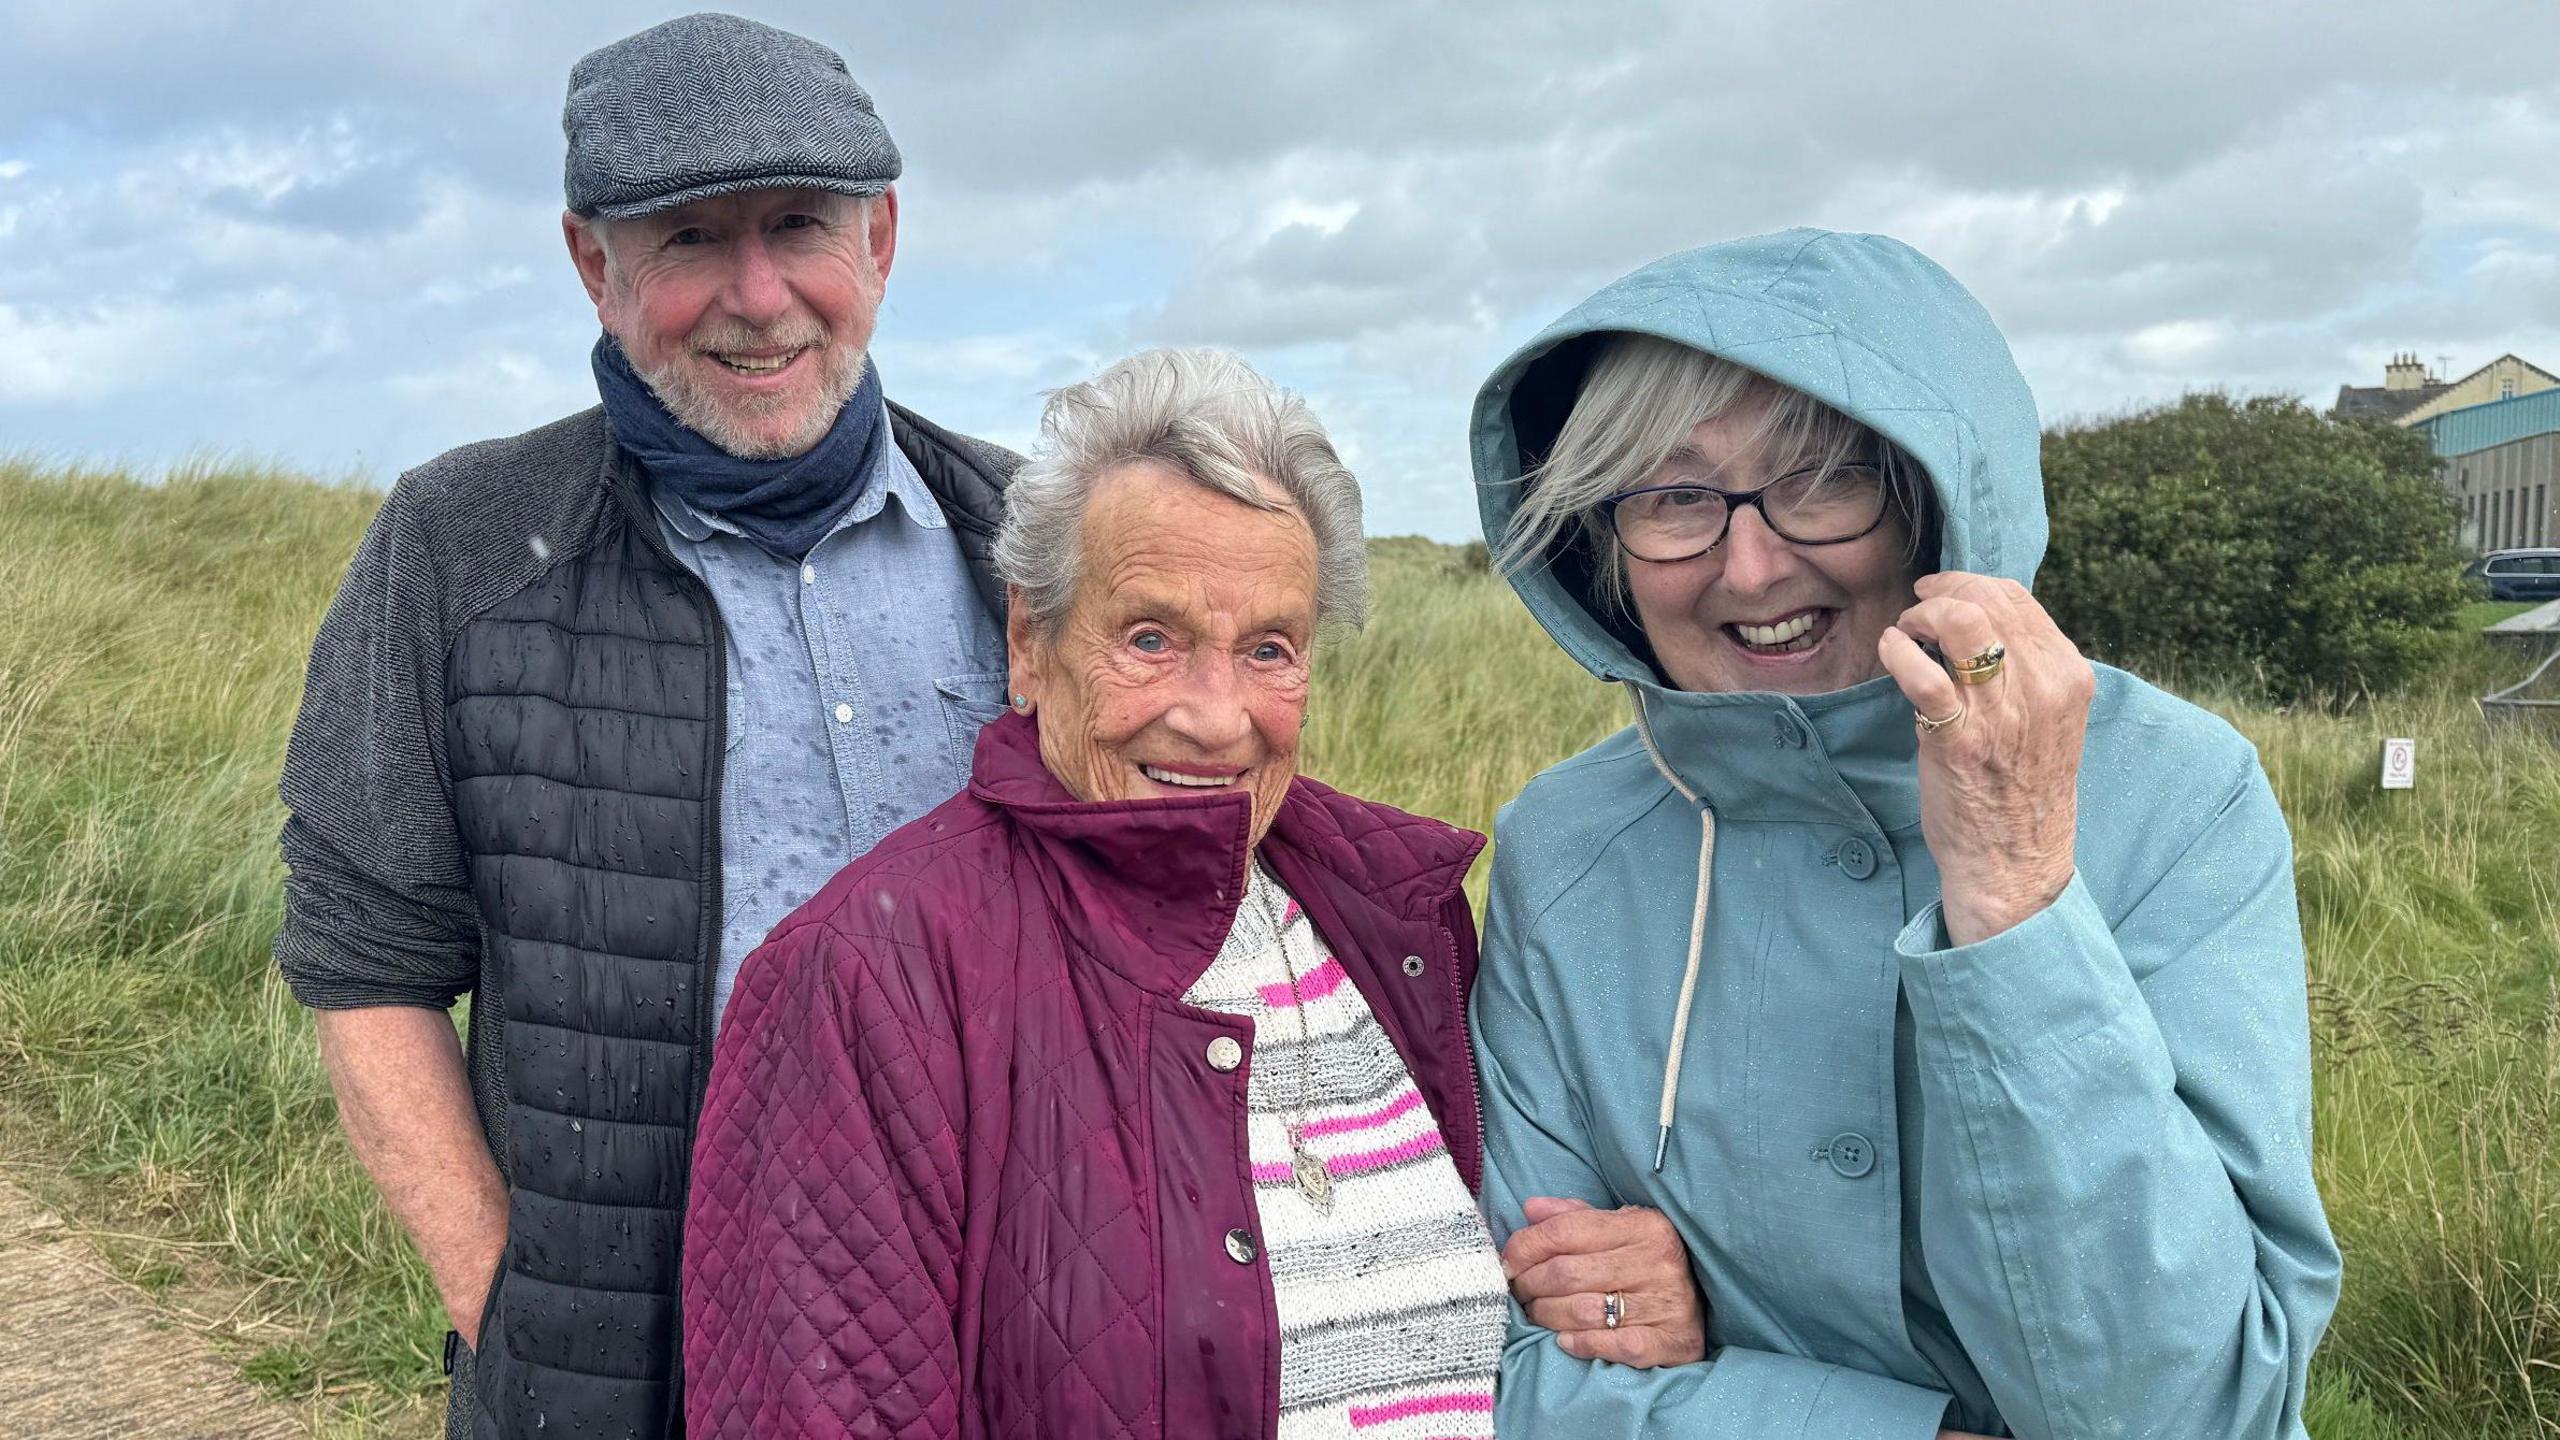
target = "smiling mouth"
x: 754, y: 364
x: 1189, y: 782
x: 1790, y: 635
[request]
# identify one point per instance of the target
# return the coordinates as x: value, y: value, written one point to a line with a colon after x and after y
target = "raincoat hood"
x: 1865, y: 324
x: 1872, y: 328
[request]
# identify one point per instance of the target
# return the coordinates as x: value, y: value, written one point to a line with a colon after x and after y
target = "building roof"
x: 2431, y: 409
x: 2498, y: 422
x: 2378, y: 402
x: 2510, y: 355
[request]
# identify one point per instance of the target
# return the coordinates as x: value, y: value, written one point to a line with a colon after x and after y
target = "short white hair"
x: 1213, y: 418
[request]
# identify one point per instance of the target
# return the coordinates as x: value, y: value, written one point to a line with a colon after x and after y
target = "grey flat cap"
x: 711, y: 105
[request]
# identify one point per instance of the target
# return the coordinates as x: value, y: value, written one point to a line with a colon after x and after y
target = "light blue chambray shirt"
x: 857, y: 683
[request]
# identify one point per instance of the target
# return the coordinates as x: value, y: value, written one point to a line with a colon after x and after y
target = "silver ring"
x: 1613, y: 1309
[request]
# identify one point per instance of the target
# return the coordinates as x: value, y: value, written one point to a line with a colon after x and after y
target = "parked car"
x: 2517, y: 574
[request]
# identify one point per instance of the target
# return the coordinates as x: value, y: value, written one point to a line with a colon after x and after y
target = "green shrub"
x: 2251, y: 544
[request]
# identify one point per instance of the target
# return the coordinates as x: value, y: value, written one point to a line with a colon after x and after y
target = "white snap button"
x: 844, y: 713
x: 1225, y: 1054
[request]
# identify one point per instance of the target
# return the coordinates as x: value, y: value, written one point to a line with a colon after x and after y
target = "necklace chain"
x: 1314, y: 1181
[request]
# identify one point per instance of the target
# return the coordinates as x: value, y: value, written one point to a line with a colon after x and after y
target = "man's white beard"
x: 727, y: 424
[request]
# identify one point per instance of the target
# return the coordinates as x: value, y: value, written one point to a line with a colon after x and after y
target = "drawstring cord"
x: 1697, y: 928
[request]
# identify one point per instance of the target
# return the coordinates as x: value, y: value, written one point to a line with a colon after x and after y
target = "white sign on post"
x: 2399, y: 764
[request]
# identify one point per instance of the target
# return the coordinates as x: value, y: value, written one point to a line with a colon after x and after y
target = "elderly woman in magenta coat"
x: 1942, y: 991
x: 1129, y: 1092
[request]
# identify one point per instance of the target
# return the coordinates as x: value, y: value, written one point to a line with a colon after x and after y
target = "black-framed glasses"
x: 1817, y: 505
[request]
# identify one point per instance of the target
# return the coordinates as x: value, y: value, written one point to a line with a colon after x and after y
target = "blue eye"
x: 1148, y: 642
x: 1267, y: 651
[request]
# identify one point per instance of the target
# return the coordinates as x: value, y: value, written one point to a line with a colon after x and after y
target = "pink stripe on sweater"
x: 1314, y: 985
x: 1426, y: 1143
x: 1344, y: 1124
x: 1469, y: 1402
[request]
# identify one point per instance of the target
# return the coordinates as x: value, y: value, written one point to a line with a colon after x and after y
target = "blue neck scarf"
x: 786, y: 506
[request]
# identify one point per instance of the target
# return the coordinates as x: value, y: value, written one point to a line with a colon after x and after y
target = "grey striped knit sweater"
x: 1391, y: 1299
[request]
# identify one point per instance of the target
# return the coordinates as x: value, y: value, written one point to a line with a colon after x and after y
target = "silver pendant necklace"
x: 1315, y: 1182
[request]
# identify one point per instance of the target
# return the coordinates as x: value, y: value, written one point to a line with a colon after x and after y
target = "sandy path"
x: 83, y: 1355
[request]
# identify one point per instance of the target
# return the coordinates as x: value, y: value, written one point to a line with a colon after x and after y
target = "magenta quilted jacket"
x: 964, y: 1169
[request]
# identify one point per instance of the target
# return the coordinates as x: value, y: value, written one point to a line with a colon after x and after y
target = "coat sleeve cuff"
x: 1836, y: 1402
x: 2046, y: 981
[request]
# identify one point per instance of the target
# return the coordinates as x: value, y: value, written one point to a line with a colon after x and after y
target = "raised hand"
x: 2000, y: 759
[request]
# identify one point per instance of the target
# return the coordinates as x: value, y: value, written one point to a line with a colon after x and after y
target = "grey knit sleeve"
x: 378, y: 907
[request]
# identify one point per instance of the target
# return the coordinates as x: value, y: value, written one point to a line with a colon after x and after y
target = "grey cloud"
x: 1376, y: 200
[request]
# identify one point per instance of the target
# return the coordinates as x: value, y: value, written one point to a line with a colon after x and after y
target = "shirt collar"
x: 893, y: 477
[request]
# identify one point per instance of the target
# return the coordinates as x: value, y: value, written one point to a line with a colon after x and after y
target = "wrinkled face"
x: 1182, y: 663
x: 748, y: 314
x: 1759, y: 612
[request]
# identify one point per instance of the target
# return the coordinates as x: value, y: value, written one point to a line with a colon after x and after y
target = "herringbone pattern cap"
x: 712, y: 104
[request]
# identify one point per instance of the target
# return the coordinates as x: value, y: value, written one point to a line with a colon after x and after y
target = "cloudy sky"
x: 329, y: 233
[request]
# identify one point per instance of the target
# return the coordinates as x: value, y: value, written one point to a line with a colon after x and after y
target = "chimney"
x: 2404, y: 373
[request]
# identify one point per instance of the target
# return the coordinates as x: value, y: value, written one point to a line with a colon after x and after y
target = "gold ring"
x: 1931, y: 726
x: 1984, y: 668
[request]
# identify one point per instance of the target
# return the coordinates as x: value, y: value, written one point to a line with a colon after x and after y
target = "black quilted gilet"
x: 504, y: 781
x: 583, y: 731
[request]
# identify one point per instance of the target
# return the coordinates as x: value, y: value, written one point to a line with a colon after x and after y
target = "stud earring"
x: 1022, y: 703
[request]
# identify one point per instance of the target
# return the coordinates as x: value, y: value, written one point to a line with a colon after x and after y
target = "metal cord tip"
x: 1660, y: 1145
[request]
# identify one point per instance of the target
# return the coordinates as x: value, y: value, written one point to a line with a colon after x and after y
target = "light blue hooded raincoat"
x: 2057, y: 1182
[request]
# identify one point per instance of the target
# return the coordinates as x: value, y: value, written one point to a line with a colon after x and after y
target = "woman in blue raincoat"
x: 1942, y: 991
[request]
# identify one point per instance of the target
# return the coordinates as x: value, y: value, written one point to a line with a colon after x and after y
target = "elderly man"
x: 599, y: 704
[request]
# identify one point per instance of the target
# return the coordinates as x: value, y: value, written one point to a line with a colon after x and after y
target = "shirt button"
x: 1851, y: 1155
x: 844, y: 713
x: 1240, y: 1247
x: 1413, y: 965
x: 1225, y: 1054
x: 1857, y: 858
x: 1790, y: 735
x: 808, y: 574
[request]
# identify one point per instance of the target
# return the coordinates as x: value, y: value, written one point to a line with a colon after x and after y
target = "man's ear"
x: 586, y: 251
x: 881, y: 231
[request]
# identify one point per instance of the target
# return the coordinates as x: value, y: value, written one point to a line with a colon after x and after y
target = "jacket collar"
x: 1846, y: 757
x: 1151, y: 886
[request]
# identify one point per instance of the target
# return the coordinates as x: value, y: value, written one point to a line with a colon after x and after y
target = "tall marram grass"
x: 2433, y: 921
x: 154, y: 1074
x: 151, y: 647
